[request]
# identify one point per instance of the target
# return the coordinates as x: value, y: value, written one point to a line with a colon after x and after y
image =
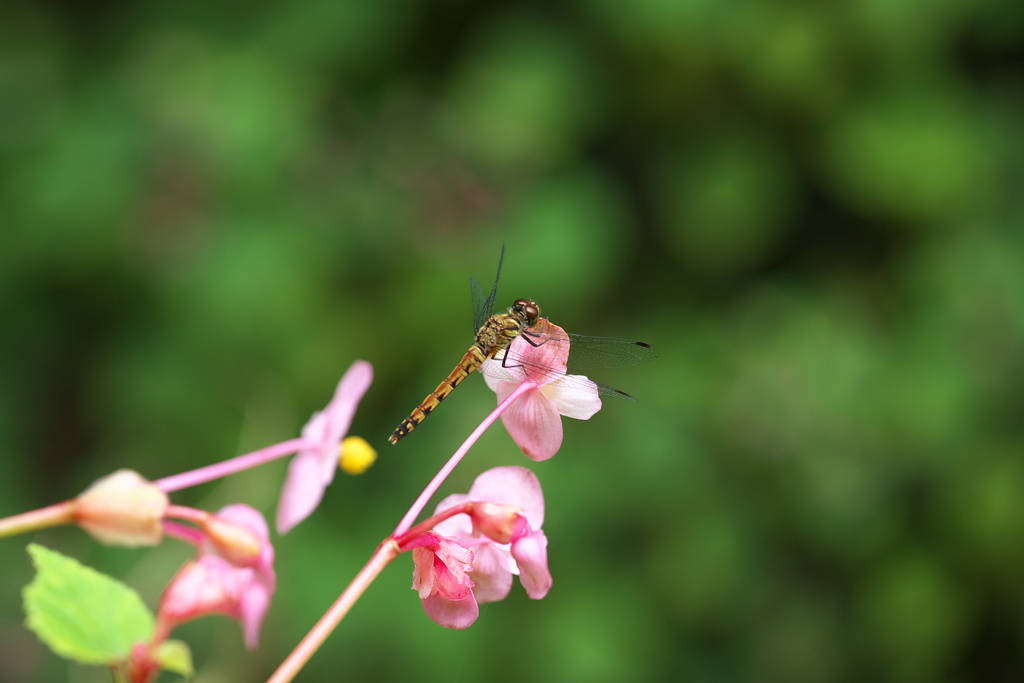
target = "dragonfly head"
x: 527, y: 310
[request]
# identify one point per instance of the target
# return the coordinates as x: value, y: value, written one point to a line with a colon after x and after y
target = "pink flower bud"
x: 122, y: 509
x: 496, y: 522
x: 232, y: 542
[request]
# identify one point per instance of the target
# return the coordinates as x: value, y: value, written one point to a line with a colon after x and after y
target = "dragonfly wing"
x: 614, y: 393
x: 511, y: 367
x: 484, y: 308
x: 478, y: 304
x: 587, y: 353
x: 584, y: 354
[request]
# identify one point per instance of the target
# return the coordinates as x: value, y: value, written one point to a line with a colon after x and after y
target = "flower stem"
x: 290, y: 667
x: 428, y: 524
x: 232, y: 466
x: 61, y: 513
x: 439, y: 478
x: 184, y: 532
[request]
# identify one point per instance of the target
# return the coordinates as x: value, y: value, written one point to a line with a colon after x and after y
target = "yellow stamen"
x: 356, y: 455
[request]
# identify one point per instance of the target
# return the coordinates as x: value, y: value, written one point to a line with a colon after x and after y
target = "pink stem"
x: 290, y: 667
x: 188, y: 514
x: 61, y: 513
x: 232, y: 466
x: 183, y: 532
x: 429, y: 523
x: 439, y: 478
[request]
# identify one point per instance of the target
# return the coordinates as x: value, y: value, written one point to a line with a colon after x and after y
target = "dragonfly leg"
x: 526, y: 337
x: 505, y: 359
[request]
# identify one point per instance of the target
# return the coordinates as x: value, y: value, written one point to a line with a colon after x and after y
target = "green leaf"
x: 175, y: 656
x: 81, y: 614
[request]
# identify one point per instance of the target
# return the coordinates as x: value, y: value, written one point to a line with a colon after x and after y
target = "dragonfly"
x: 494, y: 336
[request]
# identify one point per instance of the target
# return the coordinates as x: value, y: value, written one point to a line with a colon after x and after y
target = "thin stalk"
x: 290, y: 667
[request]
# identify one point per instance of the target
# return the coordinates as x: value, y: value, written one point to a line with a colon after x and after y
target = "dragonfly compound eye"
x: 529, y: 308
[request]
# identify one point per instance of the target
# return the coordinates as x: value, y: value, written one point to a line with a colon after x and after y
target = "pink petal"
x: 423, y: 572
x: 512, y: 485
x: 254, y: 602
x: 533, y: 422
x: 449, y: 584
x: 492, y: 579
x: 452, y: 562
x: 315, y: 432
x: 212, y: 585
x: 531, y: 554
x: 577, y: 399
x: 456, y: 614
x: 207, y: 585
x: 459, y: 526
x: 303, y: 490
x: 547, y: 360
x: 310, y: 472
x: 342, y: 408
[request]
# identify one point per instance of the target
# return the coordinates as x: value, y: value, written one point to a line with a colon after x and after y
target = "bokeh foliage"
x: 813, y: 209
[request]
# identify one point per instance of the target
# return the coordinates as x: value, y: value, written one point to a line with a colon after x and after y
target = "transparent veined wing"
x: 585, y: 354
x: 483, y: 308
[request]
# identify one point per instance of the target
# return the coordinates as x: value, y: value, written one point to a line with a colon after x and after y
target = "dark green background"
x: 813, y: 209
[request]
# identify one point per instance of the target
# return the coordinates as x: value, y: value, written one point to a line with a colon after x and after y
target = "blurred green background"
x: 813, y: 209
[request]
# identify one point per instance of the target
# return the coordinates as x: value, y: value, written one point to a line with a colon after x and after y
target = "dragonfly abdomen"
x: 493, y: 336
x: 470, y: 362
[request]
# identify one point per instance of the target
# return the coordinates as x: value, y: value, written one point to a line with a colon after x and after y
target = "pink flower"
x: 534, y: 420
x: 490, y: 539
x: 312, y: 469
x: 439, y: 574
x: 238, y: 585
x: 494, y: 563
x: 209, y: 585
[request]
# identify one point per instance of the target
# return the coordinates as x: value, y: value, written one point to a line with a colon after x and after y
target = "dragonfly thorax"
x: 527, y: 311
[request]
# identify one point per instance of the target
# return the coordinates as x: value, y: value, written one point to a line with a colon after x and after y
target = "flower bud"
x: 122, y: 509
x: 496, y: 522
x: 232, y: 542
